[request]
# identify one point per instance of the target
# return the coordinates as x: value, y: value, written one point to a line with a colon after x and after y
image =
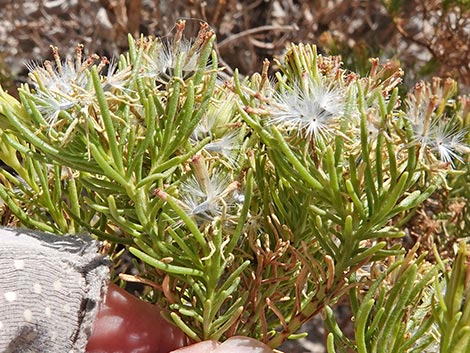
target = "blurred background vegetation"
x: 426, y: 37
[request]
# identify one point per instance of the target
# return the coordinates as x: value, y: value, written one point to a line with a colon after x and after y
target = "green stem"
x: 108, y: 122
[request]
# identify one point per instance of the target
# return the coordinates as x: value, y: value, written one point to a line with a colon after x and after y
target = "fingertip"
x: 126, y: 324
x: 236, y: 344
x: 239, y: 344
x: 201, y: 347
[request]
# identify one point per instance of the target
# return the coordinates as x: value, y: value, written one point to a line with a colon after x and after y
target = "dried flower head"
x: 208, y: 194
x: 217, y: 124
x: 64, y: 77
x: 226, y: 146
x: 446, y: 140
x: 162, y: 62
x: 437, y: 135
x: 51, y: 105
x: 116, y: 79
x: 59, y: 86
x: 164, y: 55
x: 312, y: 111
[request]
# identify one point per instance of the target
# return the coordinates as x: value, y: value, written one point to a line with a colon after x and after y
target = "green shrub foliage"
x: 250, y: 204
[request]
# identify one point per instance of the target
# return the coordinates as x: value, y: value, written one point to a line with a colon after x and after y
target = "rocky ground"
x: 423, y: 35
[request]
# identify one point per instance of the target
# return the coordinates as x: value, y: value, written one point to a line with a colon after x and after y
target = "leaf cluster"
x: 252, y: 204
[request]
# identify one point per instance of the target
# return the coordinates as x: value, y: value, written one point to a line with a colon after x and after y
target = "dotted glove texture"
x: 50, y: 287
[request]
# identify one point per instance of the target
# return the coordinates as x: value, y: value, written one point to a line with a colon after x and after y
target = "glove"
x: 50, y: 287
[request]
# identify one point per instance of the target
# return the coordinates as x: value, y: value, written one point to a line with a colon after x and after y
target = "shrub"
x: 253, y: 204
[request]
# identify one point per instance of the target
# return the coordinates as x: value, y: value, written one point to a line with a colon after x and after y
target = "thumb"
x: 126, y: 324
x: 236, y: 344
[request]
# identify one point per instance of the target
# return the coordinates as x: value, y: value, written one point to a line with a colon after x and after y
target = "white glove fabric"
x: 50, y: 287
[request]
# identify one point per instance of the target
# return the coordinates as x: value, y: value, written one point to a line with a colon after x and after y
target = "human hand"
x: 45, y: 311
x: 125, y: 324
x: 236, y: 344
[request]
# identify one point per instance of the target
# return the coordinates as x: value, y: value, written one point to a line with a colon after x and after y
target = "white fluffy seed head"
x: 312, y: 112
